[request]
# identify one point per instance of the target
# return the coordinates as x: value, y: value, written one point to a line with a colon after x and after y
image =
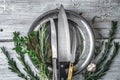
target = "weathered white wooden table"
x: 18, y: 15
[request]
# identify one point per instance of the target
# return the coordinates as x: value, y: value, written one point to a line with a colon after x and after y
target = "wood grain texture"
x: 18, y: 15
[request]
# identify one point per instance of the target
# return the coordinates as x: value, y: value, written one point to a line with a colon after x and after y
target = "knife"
x: 74, y: 48
x: 64, y: 46
x: 54, y: 48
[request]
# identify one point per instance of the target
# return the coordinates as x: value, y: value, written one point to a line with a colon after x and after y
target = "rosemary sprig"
x: 12, y: 64
x: 43, y: 51
x: 103, y: 63
x: 27, y: 68
x: 107, y: 64
x: 108, y: 44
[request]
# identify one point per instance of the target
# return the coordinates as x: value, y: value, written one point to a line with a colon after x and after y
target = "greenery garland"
x: 37, y: 46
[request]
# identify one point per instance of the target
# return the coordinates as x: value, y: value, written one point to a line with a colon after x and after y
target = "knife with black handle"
x: 64, y: 46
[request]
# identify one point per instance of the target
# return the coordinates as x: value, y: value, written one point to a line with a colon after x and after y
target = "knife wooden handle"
x: 62, y: 71
x: 70, y: 71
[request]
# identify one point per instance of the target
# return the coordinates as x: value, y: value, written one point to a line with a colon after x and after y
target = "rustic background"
x: 18, y: 15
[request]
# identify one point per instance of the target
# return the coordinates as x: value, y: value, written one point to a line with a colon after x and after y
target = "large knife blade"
x: 54, y: 48
x: 74, y: 48
x: 64, y: 46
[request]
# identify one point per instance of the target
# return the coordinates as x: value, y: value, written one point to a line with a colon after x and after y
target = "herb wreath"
x: 37, y: 46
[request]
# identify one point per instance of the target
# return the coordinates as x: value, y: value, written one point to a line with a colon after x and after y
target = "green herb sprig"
x: 37, y: 46
x: 12, y: 64
x: 103, y: 63
x: 19, y: 48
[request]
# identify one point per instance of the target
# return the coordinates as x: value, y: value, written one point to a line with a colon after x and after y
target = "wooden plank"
x: 21, y: 17
x: 90, y: 8
x: 102, y: 28
x: 34, y: 7
x: 18, y: 15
